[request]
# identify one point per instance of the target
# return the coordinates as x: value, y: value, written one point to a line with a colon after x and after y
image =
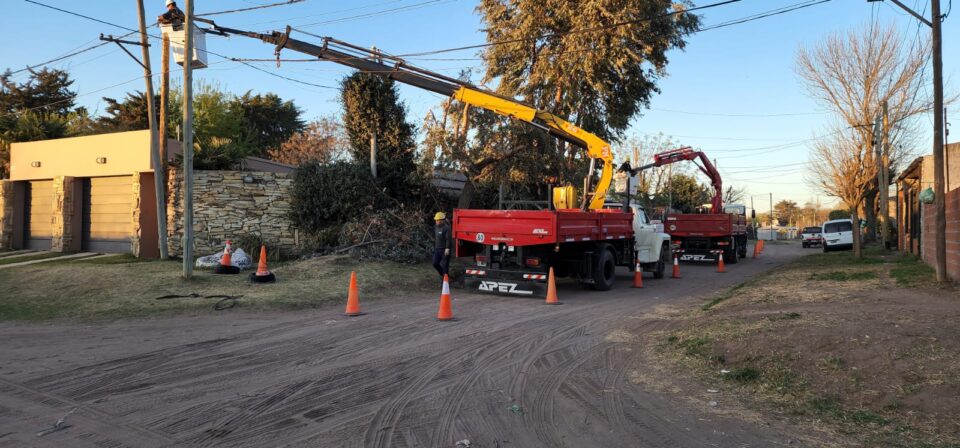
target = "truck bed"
x: 706, y: 225
x: 533, y: 227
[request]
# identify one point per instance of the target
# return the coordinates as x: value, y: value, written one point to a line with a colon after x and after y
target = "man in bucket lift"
x: 174, y: 16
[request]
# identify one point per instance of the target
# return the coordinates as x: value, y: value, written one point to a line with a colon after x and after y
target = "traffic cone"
x: 226, y: 267
x: 676, y: 266
x: 446, y: 309
x: 552, y: 290
x: 638, y: 276
x: 762, y: 244
x: 756, y: 249
x: 353, y: 298
x: 721, y: 268
x: 263, y: 275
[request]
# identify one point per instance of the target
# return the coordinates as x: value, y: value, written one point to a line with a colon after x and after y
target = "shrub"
x: 332, y: 194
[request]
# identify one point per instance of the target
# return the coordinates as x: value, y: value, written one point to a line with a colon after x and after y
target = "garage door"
x: 107, y: 214
x: 39, y: 214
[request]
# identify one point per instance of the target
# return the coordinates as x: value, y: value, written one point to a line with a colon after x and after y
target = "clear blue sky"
x: 745, y: 69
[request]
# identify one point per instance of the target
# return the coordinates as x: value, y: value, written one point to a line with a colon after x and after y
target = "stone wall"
x: 64, y: 229
x: 137, y: 234
x: 232, y: 205
x: 6, y: 214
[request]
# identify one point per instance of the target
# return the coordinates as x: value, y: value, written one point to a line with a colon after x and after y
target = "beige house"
x: 96, y: 193
x: 93, y: 193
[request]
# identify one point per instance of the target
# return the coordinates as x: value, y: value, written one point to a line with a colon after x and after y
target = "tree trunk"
x: 466, y: 196
x: 870, y: 212
x: 855, y: 218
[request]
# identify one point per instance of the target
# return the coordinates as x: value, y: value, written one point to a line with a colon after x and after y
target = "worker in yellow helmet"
x: 441, y: 245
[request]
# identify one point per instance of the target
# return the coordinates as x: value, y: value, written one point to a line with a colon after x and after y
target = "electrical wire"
x: 288, y: 2
x: 205, y: 51
x: 779, y: 11
x: 377, y: 13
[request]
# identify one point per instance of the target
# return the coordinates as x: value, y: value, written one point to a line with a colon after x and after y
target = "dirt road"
x: 510, y: 373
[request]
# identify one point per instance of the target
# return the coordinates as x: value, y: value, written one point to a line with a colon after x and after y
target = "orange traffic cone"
x: 756, y: 249
x: 638, y: 276
x: 762, y: 244
x: 676, y: 266
x: 353, y: 297
x: 552, y: 290
x: 721, y: 268
x: 446, y: 309
x: 263, y: 275
x: 226, y: 266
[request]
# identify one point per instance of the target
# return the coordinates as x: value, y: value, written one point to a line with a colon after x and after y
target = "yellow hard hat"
x: 440, y: 216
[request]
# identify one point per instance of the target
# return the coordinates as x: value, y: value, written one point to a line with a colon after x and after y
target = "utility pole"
x: 164, y: 104
x: 939, y: 199
x: 753, y: 211
x: 373, y: 150
x: 158, y: 183
x: 771, y: 214
x: 884, y: 181
x: 188, y: 141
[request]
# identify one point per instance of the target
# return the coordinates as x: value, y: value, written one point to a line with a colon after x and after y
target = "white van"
x: 837, y: 235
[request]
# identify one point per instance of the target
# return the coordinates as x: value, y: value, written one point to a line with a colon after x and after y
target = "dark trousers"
x: 441, y: 262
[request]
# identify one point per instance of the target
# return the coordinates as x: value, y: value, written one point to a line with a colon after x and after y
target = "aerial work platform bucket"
x: 177, y: 36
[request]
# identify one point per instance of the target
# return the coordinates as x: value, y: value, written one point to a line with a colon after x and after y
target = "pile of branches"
x: 396, y: 234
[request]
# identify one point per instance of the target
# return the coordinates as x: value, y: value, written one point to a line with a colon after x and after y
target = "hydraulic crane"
x: 688, y: 153
x: 373, y: 61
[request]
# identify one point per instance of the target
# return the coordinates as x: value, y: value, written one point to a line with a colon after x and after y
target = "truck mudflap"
x: 509, y: 283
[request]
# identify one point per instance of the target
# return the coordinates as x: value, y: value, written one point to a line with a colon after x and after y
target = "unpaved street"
x: 510, y: 373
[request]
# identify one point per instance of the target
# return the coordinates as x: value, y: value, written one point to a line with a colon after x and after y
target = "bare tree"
x: 853, y: 74
x: 322, y: 141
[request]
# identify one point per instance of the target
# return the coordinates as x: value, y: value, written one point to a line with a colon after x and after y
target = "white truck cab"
x: 651, y: 244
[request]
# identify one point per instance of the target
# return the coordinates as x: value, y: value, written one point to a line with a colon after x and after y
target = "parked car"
x: 837, y: 235
x: 811, y: 236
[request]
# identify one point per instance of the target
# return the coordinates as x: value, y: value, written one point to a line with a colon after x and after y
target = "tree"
x: 371, y: 105
x: 734, y: 195
x: 684, y: 193
x: 46, y: 92
x: 322, y: 141
x: 596, y: 62
x: 128, y: 114
x: 785, y: 211
x: 270, y: 120
x: 838, y: 214
x: 853, y: 74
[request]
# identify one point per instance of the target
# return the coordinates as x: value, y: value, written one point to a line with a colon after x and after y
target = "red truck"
x: 703, y: 237
x: 513, y: 250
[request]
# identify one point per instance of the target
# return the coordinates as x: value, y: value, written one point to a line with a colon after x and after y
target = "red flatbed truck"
x: 702, y: 237
x: 514, y: 249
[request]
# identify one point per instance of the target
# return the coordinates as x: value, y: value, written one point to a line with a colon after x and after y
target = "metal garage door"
x: 107, y: 214
x: 39, y: 214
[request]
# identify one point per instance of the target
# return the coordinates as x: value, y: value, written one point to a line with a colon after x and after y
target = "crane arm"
x: 371, y: 61
x: 688, y: 153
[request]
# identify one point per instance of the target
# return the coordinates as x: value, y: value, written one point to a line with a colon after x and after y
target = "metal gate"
x: 107, y: 214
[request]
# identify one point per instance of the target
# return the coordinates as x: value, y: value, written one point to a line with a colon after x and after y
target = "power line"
x: 205, y: 51
x: 779, y: 11
x: 378, y: 13
x: 288, y: 2
x: 709, y: 114
x: 566, y: 33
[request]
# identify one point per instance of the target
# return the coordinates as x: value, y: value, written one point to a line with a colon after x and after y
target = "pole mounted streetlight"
x: 939, y: 200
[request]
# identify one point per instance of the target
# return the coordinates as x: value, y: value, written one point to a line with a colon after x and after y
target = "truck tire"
x: 663, y: 262
x: 743, y: 247
x: 604, y: 273
x: 731, y: 256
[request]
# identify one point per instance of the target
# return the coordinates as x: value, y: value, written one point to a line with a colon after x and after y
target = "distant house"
x: 915, y: 223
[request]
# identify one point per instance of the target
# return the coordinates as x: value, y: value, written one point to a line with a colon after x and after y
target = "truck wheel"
x: 605, y: 271
x: 663, y: 262
x: 733, y: 254
x: 743, y: 248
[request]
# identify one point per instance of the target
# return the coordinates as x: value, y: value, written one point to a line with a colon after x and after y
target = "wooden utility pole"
x: 164, y: 104
x: 188, y: 141
x: 154, y: 146
x: 373, y: 150
x: 939, y: 199
x: 884, y: 180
